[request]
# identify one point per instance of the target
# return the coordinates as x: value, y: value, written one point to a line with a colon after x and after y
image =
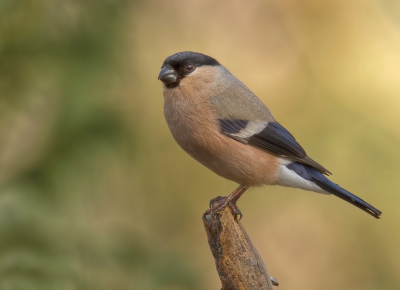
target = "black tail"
x: 327, y: 185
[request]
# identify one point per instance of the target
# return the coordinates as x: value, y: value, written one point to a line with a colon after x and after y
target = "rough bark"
x: 238, y: 263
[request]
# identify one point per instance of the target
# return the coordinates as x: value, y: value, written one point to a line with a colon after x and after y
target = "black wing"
x: 270, y: 137
x: 277, y: 140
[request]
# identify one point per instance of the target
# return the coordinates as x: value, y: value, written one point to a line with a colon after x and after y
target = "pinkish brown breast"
x: 194, y: 127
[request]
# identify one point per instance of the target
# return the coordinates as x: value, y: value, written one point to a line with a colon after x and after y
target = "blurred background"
x: 95, y: 193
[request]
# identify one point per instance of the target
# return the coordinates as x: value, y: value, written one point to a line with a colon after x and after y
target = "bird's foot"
x: 216, y: 201
x: 235, y: 210
x: 221, y: 202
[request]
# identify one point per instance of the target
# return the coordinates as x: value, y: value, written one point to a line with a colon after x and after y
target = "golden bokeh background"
x: 95, y: 193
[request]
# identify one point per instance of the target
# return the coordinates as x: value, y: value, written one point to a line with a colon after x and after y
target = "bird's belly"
x: 228, y: 158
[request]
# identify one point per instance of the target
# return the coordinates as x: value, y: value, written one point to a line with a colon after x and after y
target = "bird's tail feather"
x: 336, y: 190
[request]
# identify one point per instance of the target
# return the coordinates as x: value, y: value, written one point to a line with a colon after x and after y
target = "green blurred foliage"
x: 63, y: 142
x: 95, y: 194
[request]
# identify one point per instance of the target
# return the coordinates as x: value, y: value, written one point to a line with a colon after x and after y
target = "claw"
x: 216, y: 204
x: 220, y: 202
x: 235, y: 211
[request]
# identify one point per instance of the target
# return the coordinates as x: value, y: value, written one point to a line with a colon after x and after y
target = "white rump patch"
x: 289, y: 178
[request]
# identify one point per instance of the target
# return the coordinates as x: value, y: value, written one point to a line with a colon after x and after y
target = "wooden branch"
x: 238, y: 263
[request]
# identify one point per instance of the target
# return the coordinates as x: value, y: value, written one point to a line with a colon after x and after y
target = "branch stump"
x: 238, y: 263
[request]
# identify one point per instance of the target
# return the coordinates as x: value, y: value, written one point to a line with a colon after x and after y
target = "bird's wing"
x: 270, y: 137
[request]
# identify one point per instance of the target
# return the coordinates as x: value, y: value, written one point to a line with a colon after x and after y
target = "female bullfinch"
x: 218, y: 121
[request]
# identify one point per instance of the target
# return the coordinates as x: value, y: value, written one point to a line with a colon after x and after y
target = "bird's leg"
x: 232, y: 204
x: 221, y: 202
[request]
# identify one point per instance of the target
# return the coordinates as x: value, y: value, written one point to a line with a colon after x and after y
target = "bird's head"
x: 182, y: 65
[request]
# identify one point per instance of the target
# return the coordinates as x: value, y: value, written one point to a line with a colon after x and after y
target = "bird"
x: 222, y: 124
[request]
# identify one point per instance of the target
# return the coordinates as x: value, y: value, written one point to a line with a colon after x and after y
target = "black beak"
x: 167, y: 75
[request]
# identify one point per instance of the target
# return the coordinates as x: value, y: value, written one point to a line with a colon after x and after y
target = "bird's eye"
x: 189, y: 67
